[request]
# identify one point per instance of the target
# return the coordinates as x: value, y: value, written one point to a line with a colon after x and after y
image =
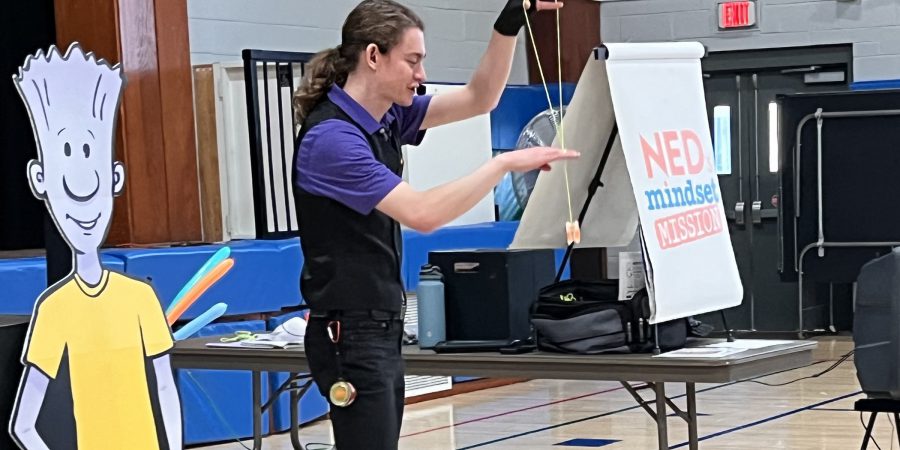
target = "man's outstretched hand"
x: 534, y: 158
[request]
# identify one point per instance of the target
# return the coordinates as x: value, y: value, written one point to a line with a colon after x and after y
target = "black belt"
x: 337, y: 314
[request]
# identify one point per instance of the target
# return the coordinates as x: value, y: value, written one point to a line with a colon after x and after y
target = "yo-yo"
x: 342, y: 394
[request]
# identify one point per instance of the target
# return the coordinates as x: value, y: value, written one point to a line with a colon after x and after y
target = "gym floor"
x: 813, y: 413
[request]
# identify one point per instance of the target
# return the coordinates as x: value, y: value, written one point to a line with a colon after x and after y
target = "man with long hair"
x: 358, y: 106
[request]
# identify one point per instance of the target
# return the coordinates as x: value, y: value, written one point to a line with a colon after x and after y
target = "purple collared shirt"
x: 335, y: 160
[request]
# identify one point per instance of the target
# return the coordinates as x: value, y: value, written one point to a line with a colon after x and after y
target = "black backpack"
x: 586, y: 317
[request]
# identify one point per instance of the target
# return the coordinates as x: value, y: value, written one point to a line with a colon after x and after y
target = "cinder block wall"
x: 872, y: 26
x: 457, y: 31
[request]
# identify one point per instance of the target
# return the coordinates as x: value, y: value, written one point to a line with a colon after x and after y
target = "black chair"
x: 876, y: 406
x: 269, y: 119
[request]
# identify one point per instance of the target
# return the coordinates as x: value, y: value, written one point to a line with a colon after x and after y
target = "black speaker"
x: 876, y: 327
x: 488, y: 293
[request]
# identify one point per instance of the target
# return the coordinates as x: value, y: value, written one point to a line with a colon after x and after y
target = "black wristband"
x: 512, y: 18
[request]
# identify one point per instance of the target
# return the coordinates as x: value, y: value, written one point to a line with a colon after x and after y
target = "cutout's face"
x: 73, y: 101
x: 78, y: 179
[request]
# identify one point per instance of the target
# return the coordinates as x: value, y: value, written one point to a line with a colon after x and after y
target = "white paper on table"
x: 700, y: 352
x: 261, y: 341
x: 748, y: 344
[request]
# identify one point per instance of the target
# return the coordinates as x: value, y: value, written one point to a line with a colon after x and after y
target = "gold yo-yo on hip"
x: 342, y: 394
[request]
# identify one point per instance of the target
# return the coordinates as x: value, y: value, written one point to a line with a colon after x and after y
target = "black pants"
x: 370, y: 360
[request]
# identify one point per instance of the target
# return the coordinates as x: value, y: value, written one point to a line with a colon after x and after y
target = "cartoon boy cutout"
x: 107, y: 323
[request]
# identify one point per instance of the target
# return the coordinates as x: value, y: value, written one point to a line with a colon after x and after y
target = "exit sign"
x: 737, y: 15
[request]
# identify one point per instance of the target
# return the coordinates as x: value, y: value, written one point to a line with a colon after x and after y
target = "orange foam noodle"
x: 201, y: 287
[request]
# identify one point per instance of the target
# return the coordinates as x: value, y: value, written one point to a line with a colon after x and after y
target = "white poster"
x: 451, y: 152
x: 657, y: 94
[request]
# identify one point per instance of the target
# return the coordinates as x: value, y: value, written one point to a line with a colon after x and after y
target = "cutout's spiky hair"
x: 74, y: 86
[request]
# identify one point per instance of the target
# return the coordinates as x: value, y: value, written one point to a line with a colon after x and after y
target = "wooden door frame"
x: 580, y: 33
x: 155, y: 136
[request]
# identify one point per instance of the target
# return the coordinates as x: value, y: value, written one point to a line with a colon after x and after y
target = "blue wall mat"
x: 229, y: 392
x: 265, y: 276
x: 517, y: 106
x: 23, y: 280
x: 591, y: 443
x: 312, y: 406
x: 871, y: 85
x: 244, y: 288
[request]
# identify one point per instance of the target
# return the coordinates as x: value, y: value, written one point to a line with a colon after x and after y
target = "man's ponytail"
x: 323, y: 71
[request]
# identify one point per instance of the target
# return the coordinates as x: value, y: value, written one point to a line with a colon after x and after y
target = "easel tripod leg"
x: 897, y: 422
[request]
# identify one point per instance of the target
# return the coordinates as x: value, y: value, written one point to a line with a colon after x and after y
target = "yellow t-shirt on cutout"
x: 108, y: 331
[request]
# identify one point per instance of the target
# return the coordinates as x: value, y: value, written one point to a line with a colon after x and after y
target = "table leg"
x: 257, y: 411
x: 295, y: 419
x: 662, y: 428
x: 692, y: 415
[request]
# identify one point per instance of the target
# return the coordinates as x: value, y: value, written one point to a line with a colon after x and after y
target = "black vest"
x: 351, y: 261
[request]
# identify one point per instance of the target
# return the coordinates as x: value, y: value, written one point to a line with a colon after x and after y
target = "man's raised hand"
x: 512, y: 17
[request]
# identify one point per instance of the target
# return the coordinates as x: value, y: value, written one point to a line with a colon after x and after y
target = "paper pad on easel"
x: 660, y: 169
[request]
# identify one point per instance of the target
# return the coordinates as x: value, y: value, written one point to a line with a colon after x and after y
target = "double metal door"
x: 743, y: 120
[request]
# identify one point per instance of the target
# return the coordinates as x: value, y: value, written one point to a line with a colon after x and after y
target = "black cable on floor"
x: 329, y: 446
x: 829, y: 369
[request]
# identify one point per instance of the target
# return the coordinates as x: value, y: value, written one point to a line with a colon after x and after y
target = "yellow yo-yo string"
x: 557, y: 121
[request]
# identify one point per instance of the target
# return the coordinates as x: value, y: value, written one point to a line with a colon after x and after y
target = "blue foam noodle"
x: 201, y: 321
x: 213, y: 261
